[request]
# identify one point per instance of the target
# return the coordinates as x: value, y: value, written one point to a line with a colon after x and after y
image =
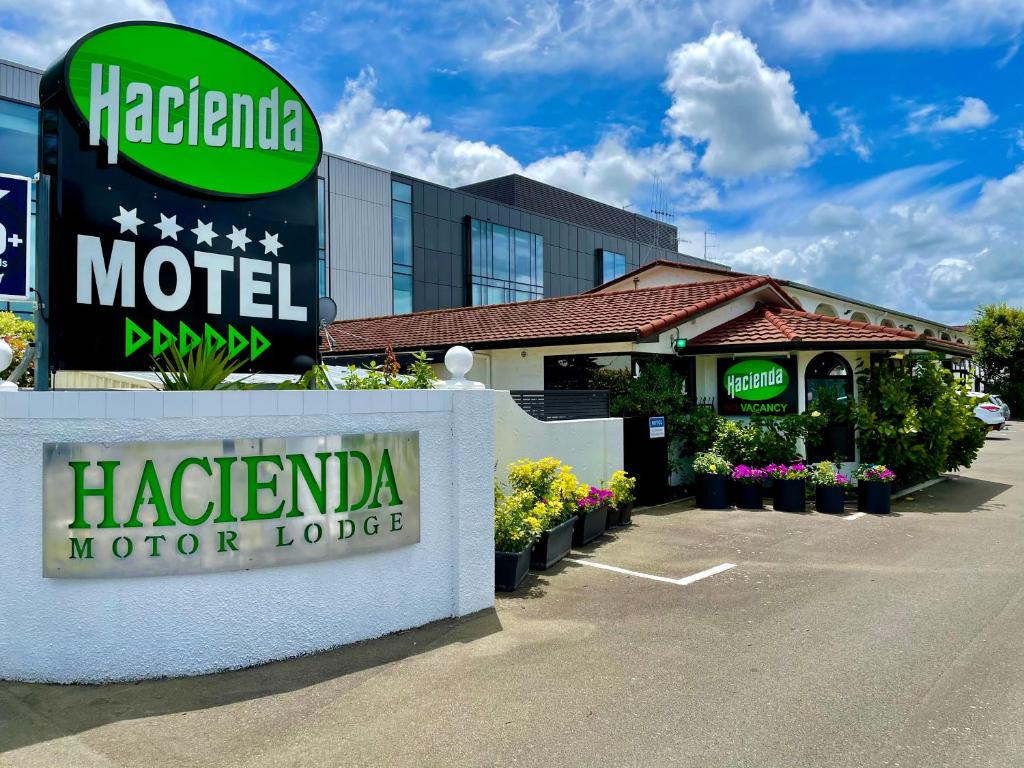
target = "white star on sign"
x: 270, y: 243
x: 238, y: 238
x: 168, y: 227
x: 128, y: 220
x: 204, y: 233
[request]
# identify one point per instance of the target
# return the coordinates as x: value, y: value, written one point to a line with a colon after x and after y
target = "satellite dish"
x: 327, y: 310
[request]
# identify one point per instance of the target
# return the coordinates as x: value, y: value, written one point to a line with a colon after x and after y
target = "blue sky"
x: 872, y: 148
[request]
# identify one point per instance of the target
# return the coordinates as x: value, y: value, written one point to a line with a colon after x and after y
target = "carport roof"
x: 620, y: 316
x: 770, y: 328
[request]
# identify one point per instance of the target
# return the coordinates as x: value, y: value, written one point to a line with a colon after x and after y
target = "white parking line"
x: 855, y: 515
x: 678, y: 582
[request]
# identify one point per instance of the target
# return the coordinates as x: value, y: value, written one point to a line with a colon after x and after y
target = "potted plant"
x: 749, y: 486
x: 622, y: 486
x: 712, y: 473
x: 593, y: 516
x: 829, y: 488
x: 515, y: 529
x: 789, y: 493
x: 557, y: 516
x: 874, y: 488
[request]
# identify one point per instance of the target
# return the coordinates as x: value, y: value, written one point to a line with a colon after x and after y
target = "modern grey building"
x: 392, y: 244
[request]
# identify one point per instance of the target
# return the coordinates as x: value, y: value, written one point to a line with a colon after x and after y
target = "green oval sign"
x: 755, y: 380
x: 192, y: 109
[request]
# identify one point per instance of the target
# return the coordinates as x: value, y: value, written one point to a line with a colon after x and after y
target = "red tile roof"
x: 775, y: 326
x: 624, y: 315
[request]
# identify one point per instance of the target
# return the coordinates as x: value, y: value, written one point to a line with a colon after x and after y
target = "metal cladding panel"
x: 359, y: 238
x: 19, y: 82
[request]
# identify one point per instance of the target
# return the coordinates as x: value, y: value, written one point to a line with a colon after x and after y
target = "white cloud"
x: 40, y: 31
x: 613, y: 171
x: 745, y: 113
x: 972, y: 114
x: 850, y: 134
x: 901, y: 241
x: 828, y: 26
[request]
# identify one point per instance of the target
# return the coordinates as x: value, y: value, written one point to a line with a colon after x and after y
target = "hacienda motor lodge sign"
x: 183, y: 208
x: 757, y: 386
x: 149, y: 509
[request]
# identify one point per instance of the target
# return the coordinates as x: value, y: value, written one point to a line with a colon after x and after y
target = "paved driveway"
x: 874, y: 641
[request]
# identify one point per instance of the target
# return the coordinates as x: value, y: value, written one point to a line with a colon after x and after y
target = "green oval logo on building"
x: 192, y: 109
x: 755, y: 380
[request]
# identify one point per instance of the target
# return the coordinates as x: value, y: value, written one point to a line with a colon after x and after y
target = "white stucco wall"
x: 95, y: 630
x: 592, y: 447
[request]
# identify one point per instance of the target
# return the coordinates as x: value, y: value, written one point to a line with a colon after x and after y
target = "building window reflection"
x: 401, y: 247
x: 610, y: 265
x: 506, y: 265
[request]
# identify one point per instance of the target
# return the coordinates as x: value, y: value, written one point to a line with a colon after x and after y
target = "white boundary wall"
x: 592, y: 447
x: 94, y: 630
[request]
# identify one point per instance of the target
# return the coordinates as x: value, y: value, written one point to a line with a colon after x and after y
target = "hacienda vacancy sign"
x: 751, y: 386
x: 183, y: 208
x: 149, y: 509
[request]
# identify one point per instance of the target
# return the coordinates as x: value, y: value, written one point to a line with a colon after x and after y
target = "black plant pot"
x: 626, y: 513
x: 713, y: 491
x: 830, y: 499
x: 790, y: 495
x: 613, y: 518
x: 510, y: 568
x: 590, y: 526
x: 749, y: 496
x: 874, y: 497
x: 553, y: 545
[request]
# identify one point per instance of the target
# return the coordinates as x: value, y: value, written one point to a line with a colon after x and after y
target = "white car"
x: 1003, y: 407
x: 990, y: 414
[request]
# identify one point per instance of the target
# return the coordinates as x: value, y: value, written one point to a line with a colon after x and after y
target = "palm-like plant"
x: 200, y: 370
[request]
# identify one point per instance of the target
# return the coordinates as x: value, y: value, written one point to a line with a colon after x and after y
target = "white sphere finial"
x: 459, y: 362
x: 6, y: 355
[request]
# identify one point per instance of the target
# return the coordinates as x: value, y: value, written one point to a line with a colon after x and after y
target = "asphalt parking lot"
x: 868, y: 641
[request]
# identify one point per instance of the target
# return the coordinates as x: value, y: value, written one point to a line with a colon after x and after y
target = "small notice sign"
x: 656, y: 425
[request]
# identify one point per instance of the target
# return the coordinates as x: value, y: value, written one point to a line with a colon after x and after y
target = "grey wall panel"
x: 359, y: 238
x: 19, y: 82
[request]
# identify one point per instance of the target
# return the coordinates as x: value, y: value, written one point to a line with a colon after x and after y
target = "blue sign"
x: 15, y: 217
x: 656, y: 425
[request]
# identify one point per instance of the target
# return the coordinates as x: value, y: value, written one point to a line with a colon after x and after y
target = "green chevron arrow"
x: 211, y: 339
x: 162, y: 338
x: 134, y: 338
x: 236, y: 341
x: 258, y: 343
x: 187, y: 339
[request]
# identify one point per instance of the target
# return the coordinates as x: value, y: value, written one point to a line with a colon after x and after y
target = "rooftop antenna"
x: 710, y: 244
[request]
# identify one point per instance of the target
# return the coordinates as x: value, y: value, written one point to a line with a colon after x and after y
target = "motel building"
x: 745, y: 344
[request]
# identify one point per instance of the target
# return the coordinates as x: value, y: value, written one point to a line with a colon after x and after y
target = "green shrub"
x: 19, y: 334
x: 765, y: 439
x: 516, y: 520
x: 916, y: 419
x: 622, y: 486
x: 711, y: 463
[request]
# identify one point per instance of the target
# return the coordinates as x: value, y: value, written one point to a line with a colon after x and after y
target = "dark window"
x: 828, y: 381
x: 506, y: 264
x: 19, y: 136
x: 401, y: 248
x: 610, y: 265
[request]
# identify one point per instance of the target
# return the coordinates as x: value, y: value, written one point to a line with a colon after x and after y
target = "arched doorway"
x: 828, y: 384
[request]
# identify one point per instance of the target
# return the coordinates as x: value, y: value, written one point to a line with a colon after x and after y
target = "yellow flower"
x: 815, y: 414
x: 713, y: 468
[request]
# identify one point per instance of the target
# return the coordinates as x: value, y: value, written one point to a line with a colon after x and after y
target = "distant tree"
x: 998, y: 334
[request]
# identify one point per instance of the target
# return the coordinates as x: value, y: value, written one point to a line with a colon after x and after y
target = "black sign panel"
x: 139, y: 263
x: 757, y: 385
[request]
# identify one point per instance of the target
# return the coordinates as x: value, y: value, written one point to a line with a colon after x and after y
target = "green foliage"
x: 516, y: 520
x: 916, y: 419
x: 765, y: 439
x: 621, y: 485
x: 419, y: 375
x: 998, y: 334
x: 659, y: 391
x: 201, y: 370
x: 826, y: 473
x: 551, y: 484
x: 19, y: 334
x: 711, y: 463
